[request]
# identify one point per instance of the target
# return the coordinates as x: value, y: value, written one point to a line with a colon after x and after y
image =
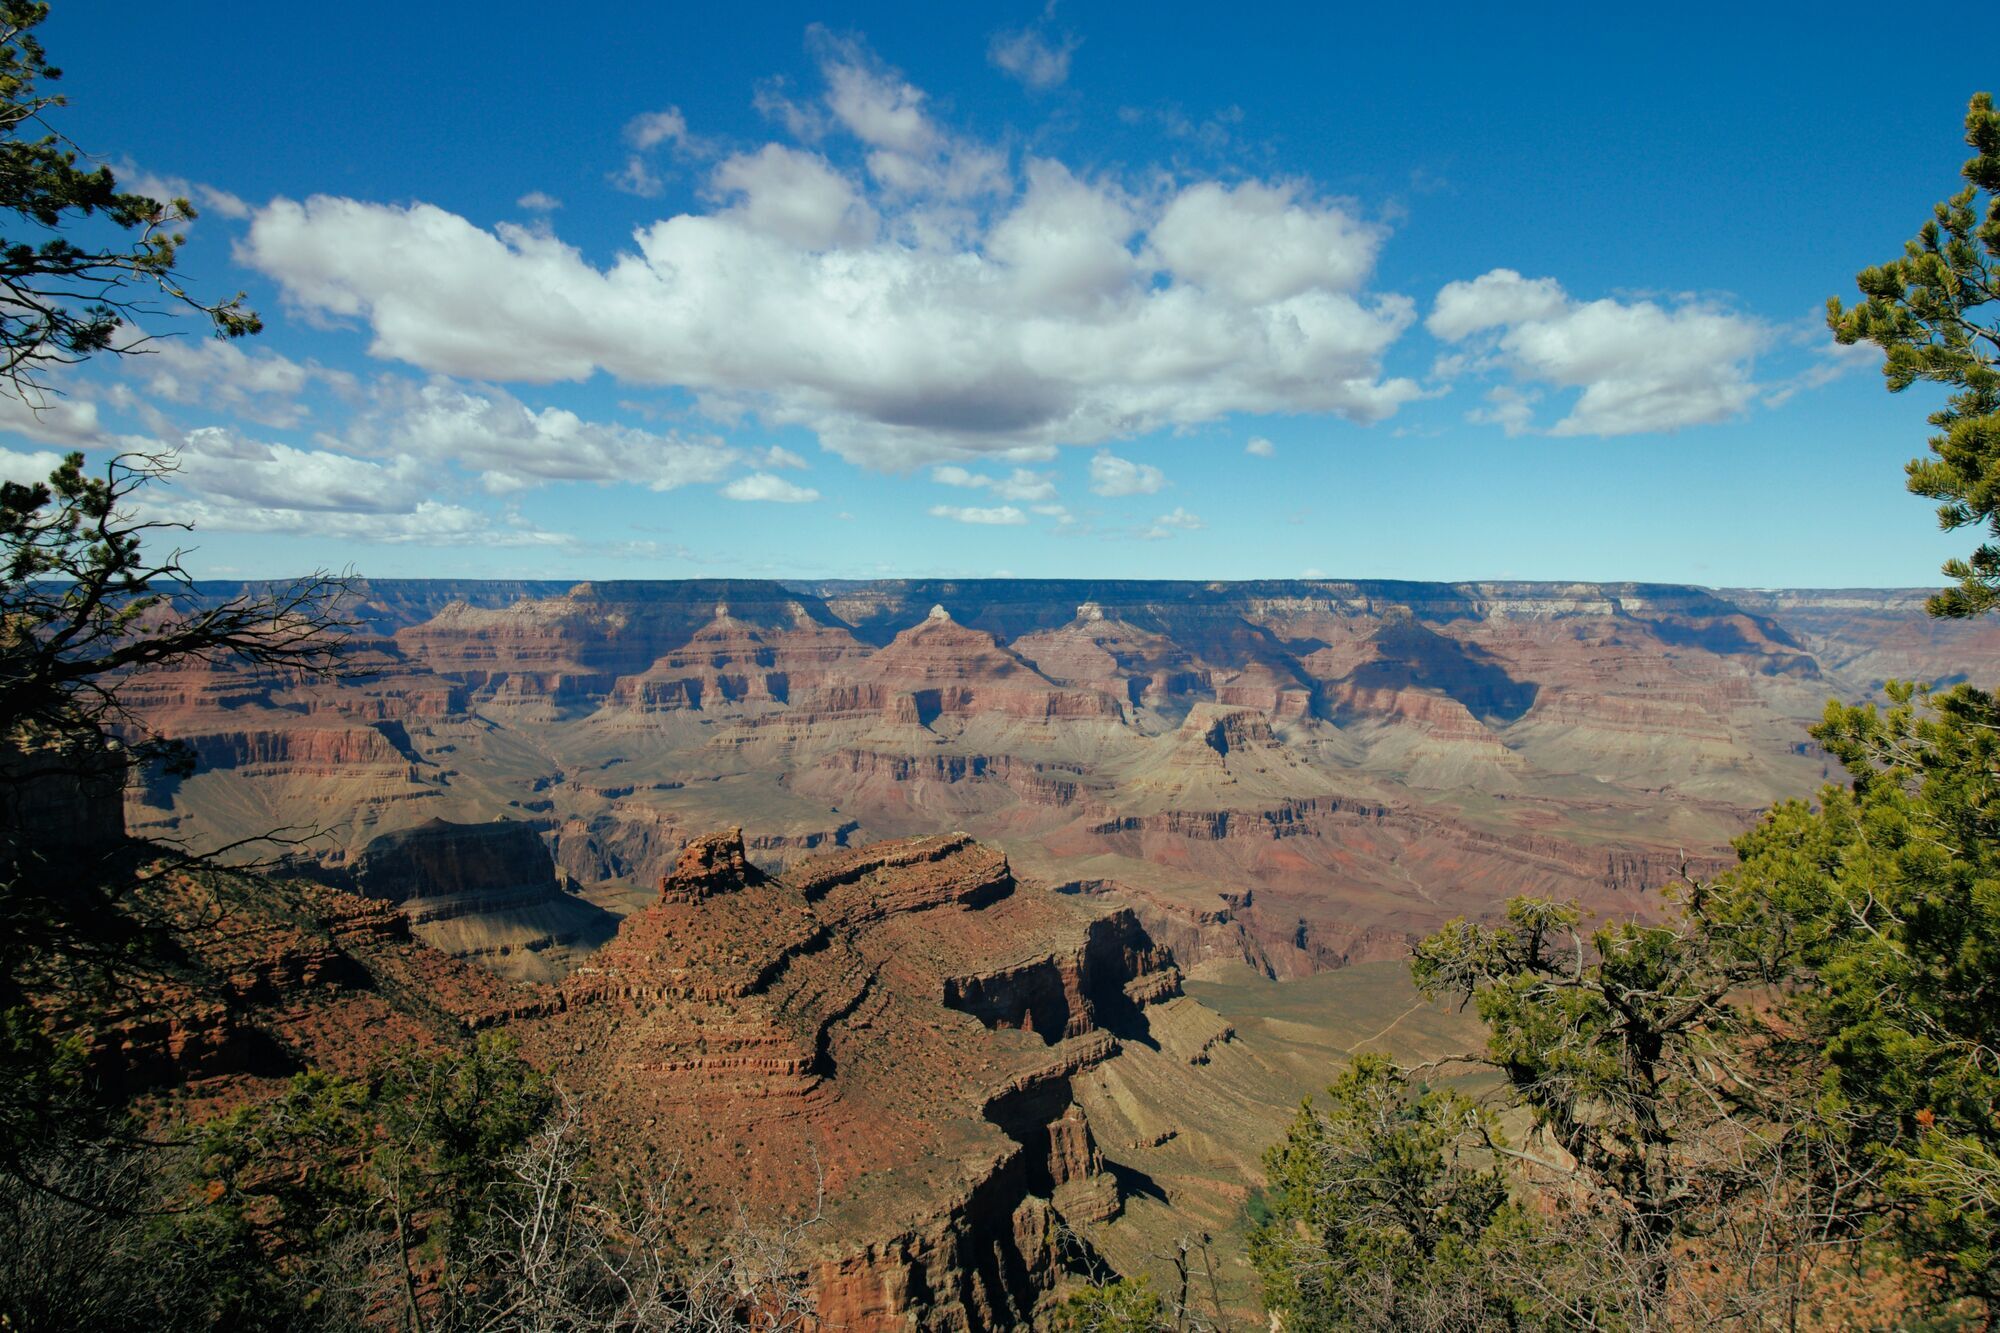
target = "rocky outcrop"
x: 1095, y: 985
x: 711, y: 864
x: 302, y: 749
x: 776, y: 1022
x: 1301, y: 775
x: 1368, y: 758
x: 305, y: 976
x: 938, y: 667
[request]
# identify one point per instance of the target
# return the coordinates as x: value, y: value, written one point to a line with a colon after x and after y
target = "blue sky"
x: 1173, y: 291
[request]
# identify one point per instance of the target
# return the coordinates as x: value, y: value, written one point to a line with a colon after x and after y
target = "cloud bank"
x: 911, y: 296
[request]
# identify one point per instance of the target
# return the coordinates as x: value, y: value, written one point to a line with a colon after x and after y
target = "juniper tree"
x: 1935, y: 312
x: 86, y: 598
x: 63, y: 299
x: 83, y: 602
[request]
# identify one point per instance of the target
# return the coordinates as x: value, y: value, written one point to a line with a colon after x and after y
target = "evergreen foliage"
x: 65, y: 300
x: 1889, y: 893
x: 1384, y: 1203
x: 83, y: 604
x: 371, y: 1190
x: 1128, y: 1305
x: 1935, y: 312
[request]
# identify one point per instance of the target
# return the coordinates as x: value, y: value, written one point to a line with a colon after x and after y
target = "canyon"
x: 992, y: 922
x: 1296, y: 775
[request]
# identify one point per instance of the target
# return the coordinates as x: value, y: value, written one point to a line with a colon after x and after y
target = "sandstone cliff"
x: 899, y: 1025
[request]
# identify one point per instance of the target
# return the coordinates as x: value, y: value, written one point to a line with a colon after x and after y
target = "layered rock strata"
x: 484, y: 891
x: 896, y: 1026
x: 1364, y: 759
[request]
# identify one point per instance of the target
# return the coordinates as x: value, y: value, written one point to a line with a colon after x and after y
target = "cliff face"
x: 484, y: 891
x: 863, y: 1028
x: 899, y: 1024
x: 1364, y: 759
x: 1300, y: 776
x: 872, y: 1019
x: 1877, y: 635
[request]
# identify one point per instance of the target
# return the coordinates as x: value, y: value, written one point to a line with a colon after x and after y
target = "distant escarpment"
x: 1361, y: 760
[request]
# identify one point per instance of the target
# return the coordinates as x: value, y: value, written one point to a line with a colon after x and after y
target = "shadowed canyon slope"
x: 1294, y: 774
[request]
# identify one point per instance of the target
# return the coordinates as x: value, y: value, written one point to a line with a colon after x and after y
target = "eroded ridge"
x: 901, y: 1023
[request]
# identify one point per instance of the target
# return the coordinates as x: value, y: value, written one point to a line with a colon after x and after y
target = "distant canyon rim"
x: 1293, y: 774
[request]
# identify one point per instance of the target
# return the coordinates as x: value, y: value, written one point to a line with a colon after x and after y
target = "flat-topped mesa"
x: 1222, y: 732
x: 711, y: 864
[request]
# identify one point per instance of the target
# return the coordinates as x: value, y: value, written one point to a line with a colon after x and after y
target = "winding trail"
x: 1388, y: 1027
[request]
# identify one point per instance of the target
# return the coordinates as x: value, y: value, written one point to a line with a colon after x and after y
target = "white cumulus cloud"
x: 512, y: 446
x: 652, y: 128
x: 28, y: 468
x: 1259, y: 447
x: 226, y: 465
x: 230, y: 482
x: 1000, y: 516
x: 432, y: 523
x: 1114, y: 476
x: 1022, y: 484
x: 795, y: 197
x: 764, y: 486
x: 777, y: 455
x: 1032, y: 58
x: 943, y: 303
x: 43, y: 418
x: 207, y: 199
x: 1492, y: 300
x: 1640, y: 366
x: 1166, y: 525
x: 260, y: 385
x: 1263, y: 243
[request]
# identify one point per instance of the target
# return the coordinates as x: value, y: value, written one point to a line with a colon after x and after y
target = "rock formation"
x: 1364, y: 759
x: 708, y: 865
x: 897, y: 1026
x: 1298, y: 777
